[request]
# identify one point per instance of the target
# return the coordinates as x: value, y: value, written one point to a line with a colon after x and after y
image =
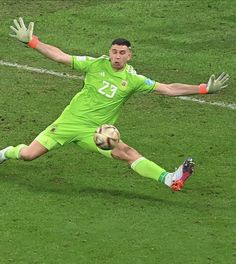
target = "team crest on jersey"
x: 124, y: 83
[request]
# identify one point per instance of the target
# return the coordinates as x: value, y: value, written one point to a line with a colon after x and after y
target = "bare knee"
x: 27, y: 154
x: 124, y: 152
x: 33, y: 151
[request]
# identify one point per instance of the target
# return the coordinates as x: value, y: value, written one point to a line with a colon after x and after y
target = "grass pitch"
x: 72, y: 206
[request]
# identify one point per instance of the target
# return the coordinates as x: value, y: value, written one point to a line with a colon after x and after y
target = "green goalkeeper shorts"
x: 69, y: 129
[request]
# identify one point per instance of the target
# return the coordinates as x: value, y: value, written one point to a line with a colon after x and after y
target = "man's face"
x: 119, y: 55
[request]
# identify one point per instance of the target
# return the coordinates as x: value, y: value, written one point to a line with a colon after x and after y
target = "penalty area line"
x: 66, y: 75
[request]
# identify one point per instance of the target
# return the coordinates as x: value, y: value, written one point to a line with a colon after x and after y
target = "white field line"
x: 220, y: 104
x: 66, y: 75
x: 38, y: 70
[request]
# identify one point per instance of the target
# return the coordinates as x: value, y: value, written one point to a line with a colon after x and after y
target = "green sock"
x: 14, y: 152
x: 149, y: 169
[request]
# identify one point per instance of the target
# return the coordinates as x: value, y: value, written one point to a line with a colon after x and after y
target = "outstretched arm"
x: 176, y: 89
x: 26, y: 36
x: 53, y: 53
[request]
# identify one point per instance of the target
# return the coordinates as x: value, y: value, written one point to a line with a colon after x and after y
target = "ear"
x: 130, y: 55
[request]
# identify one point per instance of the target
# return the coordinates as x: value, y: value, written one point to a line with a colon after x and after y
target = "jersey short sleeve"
x: 82, y: 63
x: 144, y: 84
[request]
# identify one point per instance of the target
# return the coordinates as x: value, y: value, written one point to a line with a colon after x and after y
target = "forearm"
x: 176, y: 89
x: 183, y: 89
x: 53, y: 53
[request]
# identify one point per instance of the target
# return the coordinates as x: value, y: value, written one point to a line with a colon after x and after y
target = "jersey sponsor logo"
x: 149, y: 82
x: 102, y: 74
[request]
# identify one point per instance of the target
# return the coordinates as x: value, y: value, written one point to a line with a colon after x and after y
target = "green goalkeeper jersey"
x: 105, y: 90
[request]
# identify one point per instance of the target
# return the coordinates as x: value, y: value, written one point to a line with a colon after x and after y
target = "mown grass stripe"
x: 66, y: 75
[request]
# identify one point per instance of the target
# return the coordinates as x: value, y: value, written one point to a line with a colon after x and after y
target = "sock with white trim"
x: 14, y: 152
x: 149, y: 169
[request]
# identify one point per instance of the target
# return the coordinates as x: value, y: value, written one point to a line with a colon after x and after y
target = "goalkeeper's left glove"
x: 215, y: 85
x: 23, y: 34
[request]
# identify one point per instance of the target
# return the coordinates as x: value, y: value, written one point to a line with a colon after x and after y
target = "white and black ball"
x: 106, y: 137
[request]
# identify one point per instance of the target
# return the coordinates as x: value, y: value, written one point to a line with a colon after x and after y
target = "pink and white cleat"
x: 184, y: 171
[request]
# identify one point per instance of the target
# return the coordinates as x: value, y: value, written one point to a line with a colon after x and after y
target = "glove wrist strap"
x: 34, y: 42
x: 203, y: 88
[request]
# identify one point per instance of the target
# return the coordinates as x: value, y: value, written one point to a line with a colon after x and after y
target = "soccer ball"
x: 106, y: 137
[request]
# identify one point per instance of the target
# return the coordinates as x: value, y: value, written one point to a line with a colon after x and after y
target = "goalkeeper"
x: 108, y: 84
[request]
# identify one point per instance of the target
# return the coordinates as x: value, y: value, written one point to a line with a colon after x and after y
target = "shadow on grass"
x: 114, y: 193
x: 40, y: 183
x: 60, y: 186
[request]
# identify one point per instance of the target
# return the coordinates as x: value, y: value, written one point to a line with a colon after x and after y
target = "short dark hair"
x: 121, y: 42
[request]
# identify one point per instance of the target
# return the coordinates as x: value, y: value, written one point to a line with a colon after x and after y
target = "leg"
x: 41, y: 145
x: 141, y: 165
x: 149, y: 169
x: 138, y: 163
x: 24, y: 152
x: 124, y: 152
x: 33, y: 151
x: 54, y: 136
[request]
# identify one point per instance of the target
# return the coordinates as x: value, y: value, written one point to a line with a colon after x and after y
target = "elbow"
x: 64, y: 58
